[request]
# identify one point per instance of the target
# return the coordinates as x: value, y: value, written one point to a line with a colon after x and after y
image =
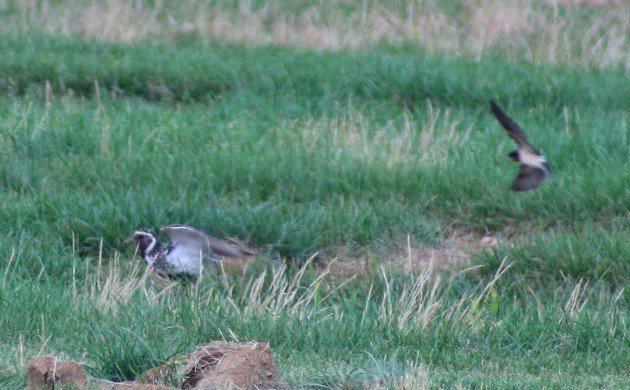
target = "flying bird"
x: 534, y: 166
x: 184, y: 254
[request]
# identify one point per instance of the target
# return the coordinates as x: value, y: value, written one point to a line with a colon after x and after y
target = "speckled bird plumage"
x: 187, y: 250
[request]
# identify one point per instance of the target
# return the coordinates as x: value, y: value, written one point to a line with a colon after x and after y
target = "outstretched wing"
x: 513, y: 130
x: 186, y: 236
x: 528, y: 178
x: 195, y: 241
x: 224, y: 248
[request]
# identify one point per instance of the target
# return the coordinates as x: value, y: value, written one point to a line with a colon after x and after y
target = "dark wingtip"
x: 495, y: 107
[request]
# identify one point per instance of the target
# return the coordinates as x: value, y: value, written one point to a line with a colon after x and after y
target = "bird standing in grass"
x: 534, y: 167
x: 184, y: 254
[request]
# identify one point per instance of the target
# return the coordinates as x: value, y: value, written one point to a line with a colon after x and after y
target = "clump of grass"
x: 566, y: 257
x: 372, y: 372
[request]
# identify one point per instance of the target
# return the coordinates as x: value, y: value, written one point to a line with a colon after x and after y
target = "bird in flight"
x: 534, y: 166
x: 187, y: 250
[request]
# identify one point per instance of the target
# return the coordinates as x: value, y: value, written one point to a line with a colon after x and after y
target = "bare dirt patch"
x: 454, y: 252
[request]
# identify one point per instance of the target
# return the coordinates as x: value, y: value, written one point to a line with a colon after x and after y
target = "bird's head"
x: 513, y: 156
x: 144, y: 239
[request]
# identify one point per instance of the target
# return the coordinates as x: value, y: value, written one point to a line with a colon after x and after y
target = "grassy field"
x: 320, y: 138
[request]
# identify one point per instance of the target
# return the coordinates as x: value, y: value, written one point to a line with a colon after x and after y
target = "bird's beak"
x: 129, y: 240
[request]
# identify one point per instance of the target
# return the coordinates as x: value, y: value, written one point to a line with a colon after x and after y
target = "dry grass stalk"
x: 528, y: 30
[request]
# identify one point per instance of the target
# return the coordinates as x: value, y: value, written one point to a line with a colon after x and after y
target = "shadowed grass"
x: 297, y: 79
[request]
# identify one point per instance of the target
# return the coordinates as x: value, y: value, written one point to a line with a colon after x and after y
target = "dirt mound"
x: 220, y: 365
x: 47, y: 372
x: 51, y: 372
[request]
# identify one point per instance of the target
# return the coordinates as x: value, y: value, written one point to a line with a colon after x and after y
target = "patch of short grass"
x: 590, y: 255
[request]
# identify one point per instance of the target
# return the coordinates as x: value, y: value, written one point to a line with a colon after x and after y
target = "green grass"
x: 403, y: 75
x: 301, y: 151
x: 348, y: 172
x: 448, y: 325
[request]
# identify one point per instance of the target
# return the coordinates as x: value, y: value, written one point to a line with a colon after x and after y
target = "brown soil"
x: 48, y: 372
x: 220, y: 365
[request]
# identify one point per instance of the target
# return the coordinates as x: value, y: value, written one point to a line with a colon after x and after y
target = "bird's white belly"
x: 531, y: 159
x: 183, y: 261
x: 184, y: 266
